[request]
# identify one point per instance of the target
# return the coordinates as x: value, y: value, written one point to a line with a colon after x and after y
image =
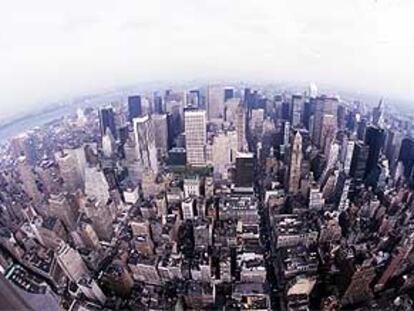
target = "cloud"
x: 52, y: 49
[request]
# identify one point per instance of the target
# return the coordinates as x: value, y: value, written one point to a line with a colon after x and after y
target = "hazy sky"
x: 50, y: 49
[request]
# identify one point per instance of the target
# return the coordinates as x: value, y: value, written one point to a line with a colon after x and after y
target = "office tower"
x: 100, y: 214
x: 297, y: 110
x: 362, y: 127
x: 188, y: 208
x: 230, y: 110
x: 285, y: 110
x: 406, y: 156
x: 328, y: 132
x: 108, y: 144
x: 157, y: 103
x: 332, y: 159
x: 134, y: 107
x: 195, y: 136
x: 313, y: 90
x: 88, y: 235
x: 341, y: 113
x: 224, y: 151
x: 374, y: 139
x: 24, y: 145
x: 145, y: 143
x: 245, y: 168
x: 96, y: 185
x: 71, y: 262
x: 228, y: 93
x: 324, y: 118
x: 161, y: 133
x: 348, y: 156
x: 64, y: 209
x: 28, y: 179
x: 107, y: 120
x: 359, y: 161
x: 194, y: 99
x: 215, y: 102
x: 69, y: 170
x: 295, y: 164
x: 256, y: 121
x: 241, y: 128
x: 316, y: 200
x: 285, y: 137
x: 378, y: 115
x: 90, y: 289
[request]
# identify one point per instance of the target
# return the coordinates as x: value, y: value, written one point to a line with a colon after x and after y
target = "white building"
x: 145, y: 142
x: 224, y: 151
x: 192, y: 187
x: 71, y: 262
x: 195, y: 136
x: 96, y: 184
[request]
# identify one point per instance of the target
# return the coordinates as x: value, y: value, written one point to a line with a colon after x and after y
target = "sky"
x: 51, y: 50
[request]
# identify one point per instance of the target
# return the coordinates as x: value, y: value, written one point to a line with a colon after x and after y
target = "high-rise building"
x: 157, y: 104
x: 224, y: 151
x: 161, y: 133
x: 348, y: 156
x: 215, y: 102
x: 228, y: 93
x: 328, y: 132
x: 406, y: 156
x: 285, y: 137
x: 195, y: 136
x: 96, y: 185
x: 241, y: 128
x: 245, y: 168
x: 378, y: 115
x: 90, y: 289
x: 145, y: 142
x: 359, y: 161
x: 107, y: 120
x: 297, y: 110
x: 374, y: 139
x: 71, y: 168
x: 295, y: 164
x: 324, y: 118
x: 194, y: 98
x: 28, y: 179
x: 100, y: 214
x: 71, y: 262
x: 134, y: 107
x: 64, y: 209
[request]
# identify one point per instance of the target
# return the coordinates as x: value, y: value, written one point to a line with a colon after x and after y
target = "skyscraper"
x: 228, y: 93
x: 195, y: 136
x: 295, y: 164
x: 71, y: 262
x: 145, y: 142
x: 324, y: 117
x: 244, y: 176
x: 297, y: 110
x: 70, y: 171
x: 241, y: 128
x: 161, y: 133
x: 215, y: 102
x: 374, y: 139
x: 107, y: 120
x: 406, y: 156
x: 359, y: 161
x: 134, y: 107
